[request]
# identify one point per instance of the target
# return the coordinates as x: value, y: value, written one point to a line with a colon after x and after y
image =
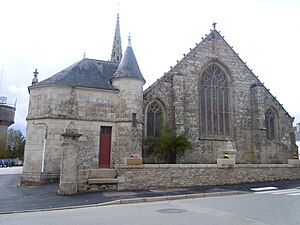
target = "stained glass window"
x: 214, y: 102
x: 270, y: 124
x: 154, y: 118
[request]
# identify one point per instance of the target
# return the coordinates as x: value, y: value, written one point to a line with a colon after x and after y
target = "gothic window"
x: 214, y: 102
x: 154, y: 118
x: 270, y: 120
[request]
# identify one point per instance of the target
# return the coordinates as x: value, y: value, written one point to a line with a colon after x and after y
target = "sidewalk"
x: 14, y: 198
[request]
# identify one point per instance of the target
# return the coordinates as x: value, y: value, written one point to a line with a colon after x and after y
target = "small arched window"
x: 270, y: 120
x: 214, y: 102
x: 154, y: 118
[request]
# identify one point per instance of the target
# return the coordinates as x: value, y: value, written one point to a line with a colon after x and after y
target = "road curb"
x: 137, y: 200
x: 180, y: 197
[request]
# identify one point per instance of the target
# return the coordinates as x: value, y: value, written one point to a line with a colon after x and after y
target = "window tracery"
x: 154, y: 118
x: 214, y: 102
x: 270, y: 120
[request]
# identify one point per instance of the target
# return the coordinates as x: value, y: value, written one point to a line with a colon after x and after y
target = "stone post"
x: 227, y: 156
x: 178, y: 91
x: 258, y: 127
x: 69, y: 157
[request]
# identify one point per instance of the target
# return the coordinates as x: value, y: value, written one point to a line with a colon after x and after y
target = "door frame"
x: 105, y: 147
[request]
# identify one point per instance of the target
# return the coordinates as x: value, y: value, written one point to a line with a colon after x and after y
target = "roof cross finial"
x: 35, y: 73
x: 129, y: 40
x: 214, y: 25
x: 35, y: 79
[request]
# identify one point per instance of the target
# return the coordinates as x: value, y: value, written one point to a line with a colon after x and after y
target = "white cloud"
x: 14, y: 89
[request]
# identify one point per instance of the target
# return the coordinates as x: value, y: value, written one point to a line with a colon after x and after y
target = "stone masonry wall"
x: 162, y: 91
x: 130, y: 100
x: 271, y: 151
x: 179, y: 91
x: 88, y: 150
x: 54, y: 107
x: 58, y: 102
x: 184, y: 175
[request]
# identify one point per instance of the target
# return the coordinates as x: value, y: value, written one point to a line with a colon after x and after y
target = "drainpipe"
x: 44, y: 144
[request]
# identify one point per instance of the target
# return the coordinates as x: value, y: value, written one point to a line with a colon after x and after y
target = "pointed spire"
x: 129, y: 66
x: 116, y: 54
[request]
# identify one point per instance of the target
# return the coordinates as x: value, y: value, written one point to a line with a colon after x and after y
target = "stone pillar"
x: 178, y: 91
x: 259, y: 130
x: 68, y: 171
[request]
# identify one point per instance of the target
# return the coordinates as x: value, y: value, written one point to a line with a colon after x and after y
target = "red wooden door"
x: 105, y: 147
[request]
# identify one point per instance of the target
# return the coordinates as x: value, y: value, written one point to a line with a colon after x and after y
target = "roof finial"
x: 83, y: 55
x: 214, y: 25
x: 35, y: 79
x: 129, y: 40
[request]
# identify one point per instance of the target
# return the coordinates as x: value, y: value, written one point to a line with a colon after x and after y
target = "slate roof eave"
x: 68, y: 86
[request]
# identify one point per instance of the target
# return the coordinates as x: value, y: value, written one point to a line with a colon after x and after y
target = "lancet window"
x: 154, y: 119
x: 270, y: 120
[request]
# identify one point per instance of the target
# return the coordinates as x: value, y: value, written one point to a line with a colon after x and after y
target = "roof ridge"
x: 100, y: 60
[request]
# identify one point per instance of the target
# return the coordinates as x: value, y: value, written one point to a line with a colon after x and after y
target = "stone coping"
x: 294, y: 161
x: 190, y: 166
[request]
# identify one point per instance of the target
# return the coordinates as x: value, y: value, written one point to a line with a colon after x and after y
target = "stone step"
x: 102, y: 173
x: 102, y: 181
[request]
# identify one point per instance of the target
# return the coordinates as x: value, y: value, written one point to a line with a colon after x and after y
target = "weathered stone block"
x: 133, y: 161
x: 294, y: 161
x: 68, y: 188
x: 230, y: 162
x: 102, y: 173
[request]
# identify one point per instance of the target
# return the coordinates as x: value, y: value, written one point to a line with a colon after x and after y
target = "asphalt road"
x: 15, y: 198
x: 259, y: 209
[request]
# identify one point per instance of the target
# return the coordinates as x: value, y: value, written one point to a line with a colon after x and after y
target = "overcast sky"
x: 51, y: 35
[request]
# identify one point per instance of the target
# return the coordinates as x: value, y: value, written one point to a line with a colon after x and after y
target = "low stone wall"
x: 183, y: 175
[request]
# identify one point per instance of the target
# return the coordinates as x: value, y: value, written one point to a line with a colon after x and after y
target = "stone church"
x: 210, y: 94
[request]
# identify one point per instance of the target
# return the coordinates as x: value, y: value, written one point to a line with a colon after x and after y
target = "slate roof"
x: 128, y: 66
x: 89, y: 73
